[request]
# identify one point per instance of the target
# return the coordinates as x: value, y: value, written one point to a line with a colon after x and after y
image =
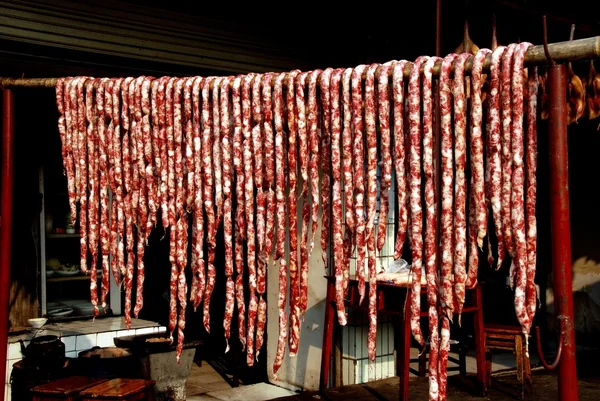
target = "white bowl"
x: 37, y: 322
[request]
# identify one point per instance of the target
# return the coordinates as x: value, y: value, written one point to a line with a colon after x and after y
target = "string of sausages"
x: 270, y: 156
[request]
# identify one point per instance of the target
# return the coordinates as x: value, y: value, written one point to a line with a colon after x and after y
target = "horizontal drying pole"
x: 580, y: 49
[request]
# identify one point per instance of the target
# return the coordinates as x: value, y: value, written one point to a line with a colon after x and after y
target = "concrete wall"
x: 301, y: 371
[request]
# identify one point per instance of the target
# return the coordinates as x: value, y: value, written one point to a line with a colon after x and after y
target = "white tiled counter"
x: 78, y: 336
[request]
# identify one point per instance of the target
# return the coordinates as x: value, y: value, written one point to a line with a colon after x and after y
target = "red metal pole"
x: 561, y: 230
x: 6, y: 199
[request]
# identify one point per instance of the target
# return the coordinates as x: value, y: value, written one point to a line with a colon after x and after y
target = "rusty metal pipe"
x: 562, y: 279
x: 6, y: 210
x: 576, y: 50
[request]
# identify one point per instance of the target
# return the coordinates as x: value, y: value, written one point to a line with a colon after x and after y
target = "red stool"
x: 66, y: 389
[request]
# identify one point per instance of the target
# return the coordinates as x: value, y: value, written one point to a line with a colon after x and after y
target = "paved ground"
x: 459, y: 389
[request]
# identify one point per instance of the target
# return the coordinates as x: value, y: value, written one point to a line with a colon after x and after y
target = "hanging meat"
x: 280, y: 155
x: 93, y: 153
x: 339, y: 261
x: 303, y: 155
x: 78, y: 106
x: 593, y: 93
x: 400, y: 156
x: 293, y: 128
x: 386, y: 154
x: 371, y: 135
x: 325, y: 158
x: 313, y: 166
x: 414, y: 178
x: 249, y: 209
x: 494, y: 151
x: 430, y: 227
x: 269, y: 163
x: 119, y: 261
x: 349, y: 232
x: 517, y: 197
x: 575, y: 91
x: 240, y: 222
x: 447, y: 198
x: 531, y: 191
x: 359, y: 184
x: 209, y: 207
x: 227, y: 207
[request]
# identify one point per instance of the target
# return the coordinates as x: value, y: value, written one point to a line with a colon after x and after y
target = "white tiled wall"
x: 355, y: 365
x: 76, y: 343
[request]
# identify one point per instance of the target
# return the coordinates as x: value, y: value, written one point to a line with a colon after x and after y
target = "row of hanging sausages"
x: 261, y: 153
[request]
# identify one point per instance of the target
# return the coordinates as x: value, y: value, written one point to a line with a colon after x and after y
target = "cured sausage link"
x: 349, y: 232
x: 227, y: 208
x: 477, y: 167
x: 400, y: 156
x: 293, y: 128
x: 531, y: 164
x: 370, y: 117
x: 359, y: 184
x: 505, y: 141
x: 460, y: 194
x: 313, y: 166
x: 249, y: 208
x: 280, y: 155
x: 325, y: 160
x: 517, y: 195
x: 447, y: 198
x: 238, y: 140
x: 386, y: 154
x: 207, y: 166
x: 339, y: 260
x: 430, y: 228
x: 494, y: 151
x: 416, y: 213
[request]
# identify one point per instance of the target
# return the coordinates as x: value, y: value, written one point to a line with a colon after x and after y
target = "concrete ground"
x: 459, y: 389
x: 205, y: 384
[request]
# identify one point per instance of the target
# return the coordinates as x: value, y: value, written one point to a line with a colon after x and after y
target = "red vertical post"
x: 561, y: 230
x: 6, y: 198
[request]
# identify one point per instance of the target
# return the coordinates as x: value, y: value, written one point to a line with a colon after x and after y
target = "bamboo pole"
x: 576, y: 50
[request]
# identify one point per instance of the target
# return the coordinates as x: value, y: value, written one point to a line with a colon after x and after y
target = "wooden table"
x: 390, y: 300
x: 66, y: 389
x: 120, y: 389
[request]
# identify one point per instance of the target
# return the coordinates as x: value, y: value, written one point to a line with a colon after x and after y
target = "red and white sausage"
x: 325, y: 160
x: 249, y: 208
x: 207, y: 164
x: 477, y: 165
x: 280, y: 155
x: 531, y: 166
x: 240, y: 223
x: 506, y: 139
x: 494, y: 149
x: 386, y: 153
x: 359, y: 180
x: 349, y: 232
x: 517, y: 195
x: 313, y: 163
x: 400, y: 156
x: 447, y: 198
x: 460, y: 194
x: 293, y: 129
x: 227, y: 207
x: 414, y: 178
x: 216, y: 150
x: 430, y: 227
x: 83, y: 165
x: 371, y: 134
x: 92, y: 144
x: 339, y: 261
